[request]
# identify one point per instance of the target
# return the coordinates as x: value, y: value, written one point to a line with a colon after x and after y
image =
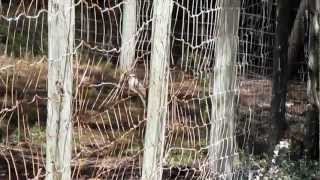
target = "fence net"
x: 109, y: 117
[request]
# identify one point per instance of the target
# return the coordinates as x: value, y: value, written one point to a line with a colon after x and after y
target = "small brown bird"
x: 137, y: 87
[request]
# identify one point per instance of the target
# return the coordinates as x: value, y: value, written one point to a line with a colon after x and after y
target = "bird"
x: 137, y: 87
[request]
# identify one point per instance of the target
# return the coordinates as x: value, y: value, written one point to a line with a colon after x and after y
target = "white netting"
x: 205, y: 127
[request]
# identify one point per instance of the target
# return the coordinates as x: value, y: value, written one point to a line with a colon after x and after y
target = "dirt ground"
x: 109, y: 123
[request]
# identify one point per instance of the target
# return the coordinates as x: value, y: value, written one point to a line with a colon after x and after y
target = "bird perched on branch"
x: 137, y: 87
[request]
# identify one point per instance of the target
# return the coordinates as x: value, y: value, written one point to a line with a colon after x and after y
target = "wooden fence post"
x: 60, y: 77
x: 222, y: 140
x: 129, y: 29
x: 158, y: 91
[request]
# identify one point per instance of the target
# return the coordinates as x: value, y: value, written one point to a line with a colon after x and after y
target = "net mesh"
x: 109, y: 117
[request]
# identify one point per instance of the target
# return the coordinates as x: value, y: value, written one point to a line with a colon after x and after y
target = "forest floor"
x: 109, y: 121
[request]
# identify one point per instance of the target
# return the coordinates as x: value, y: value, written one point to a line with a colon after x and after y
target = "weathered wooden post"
x: 129, y: 29
x: 59, y: 126
x: 222, y: 141
x: 158, y: 91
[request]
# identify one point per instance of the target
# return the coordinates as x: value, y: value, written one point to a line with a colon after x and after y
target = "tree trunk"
x: 279, y: 83
x: 311, y: 142
x: 129, y: 29
x: 296, y: 38
x: 158, y: 90
x: 59, y: 125
x: 222, y: 142
x: 318, y: 72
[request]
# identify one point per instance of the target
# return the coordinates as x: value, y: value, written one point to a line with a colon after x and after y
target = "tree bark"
x: 311, y: 142
x: 296, y: 38
x: 279, y: 82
